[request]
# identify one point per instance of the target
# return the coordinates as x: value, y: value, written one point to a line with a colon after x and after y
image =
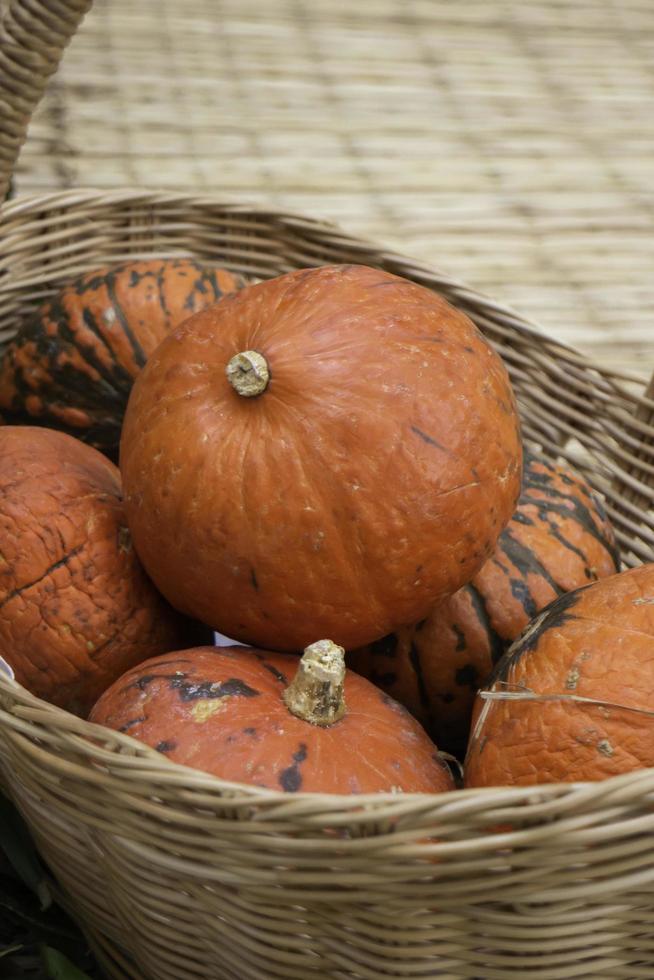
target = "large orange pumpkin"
x: 76, y: 607
x: 326, y: 453
x: 595, y: 643
x: 72, y: 365
x: 252, y: 716
x: 558, y: 539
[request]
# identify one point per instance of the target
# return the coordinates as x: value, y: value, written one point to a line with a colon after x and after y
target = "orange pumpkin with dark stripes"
x: 267, y: 719
x: 76, y: 607
x: 574, y: 695
x: 558, y: 539
x: 72, y: 365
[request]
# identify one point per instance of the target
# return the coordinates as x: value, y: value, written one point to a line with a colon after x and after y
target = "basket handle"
x: 33, y: 36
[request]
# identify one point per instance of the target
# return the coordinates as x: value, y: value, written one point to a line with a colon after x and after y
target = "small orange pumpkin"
x: 573, y: 698
x: 71, y: 366
x: 76, y: 607
x: 267, y: 719
x: 329, y: 452
x: 558, y: 539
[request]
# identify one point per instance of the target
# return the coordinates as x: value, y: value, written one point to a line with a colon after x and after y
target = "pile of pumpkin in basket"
x: 327, y: 468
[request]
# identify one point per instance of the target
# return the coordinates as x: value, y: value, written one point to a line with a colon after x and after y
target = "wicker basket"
x: 176, y: 874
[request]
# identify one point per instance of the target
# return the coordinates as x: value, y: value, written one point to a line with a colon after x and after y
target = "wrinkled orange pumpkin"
x: 558, y: 539
x: 76, y: 607
x: 264, y: 718
x: 326, y: 453
x: 594, y: 643
x: 72, y: 365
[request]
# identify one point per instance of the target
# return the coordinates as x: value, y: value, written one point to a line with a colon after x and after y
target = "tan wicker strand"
x: 177, y: 875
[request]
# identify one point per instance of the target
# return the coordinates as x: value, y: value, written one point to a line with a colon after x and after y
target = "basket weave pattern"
x: 177, y: 874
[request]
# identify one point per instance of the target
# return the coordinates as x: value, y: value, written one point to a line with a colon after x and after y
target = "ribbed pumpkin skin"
x: 71, y: 367
x: 596, y: 642
x: 221, y: 710
x: 76, y: 607
x: 558, y: 539
x: 368, y: 480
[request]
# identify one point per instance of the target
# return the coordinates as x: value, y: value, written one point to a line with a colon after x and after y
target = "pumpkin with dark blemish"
x: 72, y: 365
x: 76, y: 607
x: 324, y: 464
x: 323, y: 730
x: 558, y: 539
x: 594, y: 643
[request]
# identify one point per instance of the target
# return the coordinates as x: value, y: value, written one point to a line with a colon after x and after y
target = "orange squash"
x: 576, y: 691
x: 558, y: 539
x: 251, y: 716
x: 326, y: 453
x: 72, y: 365
x: 76, y: 607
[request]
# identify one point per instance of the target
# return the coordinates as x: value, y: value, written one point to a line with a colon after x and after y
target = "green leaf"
x: 59, y: 967
x: 21, y: 853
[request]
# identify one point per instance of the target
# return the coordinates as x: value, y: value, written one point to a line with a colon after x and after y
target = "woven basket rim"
x: 83, y: 194
x: 130, y: 754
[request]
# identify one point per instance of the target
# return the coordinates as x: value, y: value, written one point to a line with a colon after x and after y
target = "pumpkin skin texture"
x: 371, y: 477
x: 76, y: 607
x: 222, y: 710
x: 558, y: 539
x: 596, y: 642
x: 72, y: 365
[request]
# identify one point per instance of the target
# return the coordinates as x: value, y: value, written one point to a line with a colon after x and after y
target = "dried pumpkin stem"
x: 248, y: 373
x: 316, y: 692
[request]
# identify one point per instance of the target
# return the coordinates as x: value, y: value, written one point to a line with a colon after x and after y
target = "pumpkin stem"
x: 248, y: 373
x: 316, y: 692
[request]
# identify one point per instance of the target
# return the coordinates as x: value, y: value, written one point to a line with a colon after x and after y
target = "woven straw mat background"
x: 510, y: 144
